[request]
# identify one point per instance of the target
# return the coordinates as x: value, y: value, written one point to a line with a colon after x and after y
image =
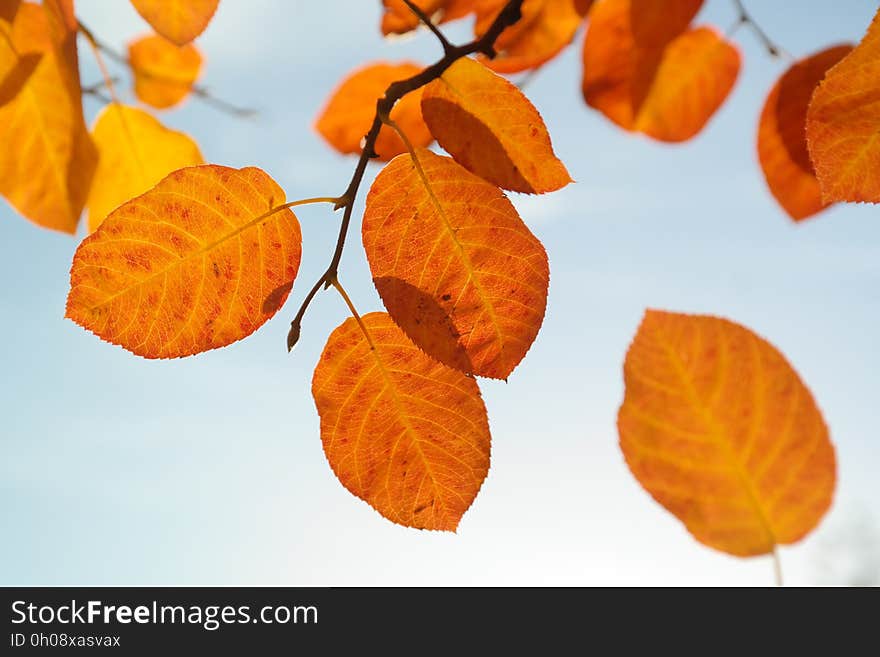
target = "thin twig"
x: 97, y: 94
x: 91, y: 89
x: 424, y: 18
x: 509, y: 15
x: 354, y: 313
x: 197, y: 90
x: 745, y: 18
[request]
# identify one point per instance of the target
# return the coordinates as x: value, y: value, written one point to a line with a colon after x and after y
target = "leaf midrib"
x: 469, y: 267
x: 717, y: 433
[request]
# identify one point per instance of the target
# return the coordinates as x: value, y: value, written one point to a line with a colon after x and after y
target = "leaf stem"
x: 354, y: 313
x: 424, y: 18
x: 102, y: 65
x: 197, y: 90
x: 745, y: 18
x: 415, y: 158
x: 307, y: 201
x: 509, y: 14
x: 777, y: 567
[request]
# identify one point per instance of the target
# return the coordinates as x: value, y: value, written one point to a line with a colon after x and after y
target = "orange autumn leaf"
x: 179, y: 21
x: 720, y: 430
x: 198, y: 262
x: 402, y: 432
x: 647, y: 72
x: 546, y: 27
x: 136, y: 151
x: 492, y: 129
x: 15, y: 69
x: 782, y: 143
x: 13, y: 79
x: 8, y: 9
x: 348, y: 115
x: 583, y: 6
x: 455, y: 265
x: 399, y: 19
x: 42, y: 124
x: 62, y: 18
x: 164, y: 73
x: 843, y: 124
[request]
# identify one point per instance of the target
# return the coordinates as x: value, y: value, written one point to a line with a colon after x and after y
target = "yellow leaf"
x: 135, y: 152
x: 48, y: 158
x: 179, y: 21
x: 164, y: 73
x: 15, y: 69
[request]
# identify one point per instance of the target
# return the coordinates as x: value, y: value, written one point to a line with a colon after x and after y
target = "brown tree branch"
x: 424, y: 18
x: 485, y: 45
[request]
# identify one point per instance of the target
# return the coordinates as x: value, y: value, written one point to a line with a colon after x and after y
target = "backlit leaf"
x: 546, y: 27
x: 347, y: 117
x: 782, y: 142
x: 647, y: 74
x: 583, y: 6
x: 399, y: 19
x: 492, y: 129
x: 136, y: 152
x: 196, y: 263
x: 8, y: 9
x: 843, y: 124
x: 163, y: 72
x: 402, y: 432
x: 720, y: 430
x: 456, y: 267
x: 15, y: 69
x: 48, y: 157
x: 179, y: 21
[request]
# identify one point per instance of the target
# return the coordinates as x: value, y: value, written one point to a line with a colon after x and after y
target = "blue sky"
x: 209, y: 470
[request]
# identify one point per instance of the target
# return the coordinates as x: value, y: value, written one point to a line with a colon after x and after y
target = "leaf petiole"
x: 334, y: 281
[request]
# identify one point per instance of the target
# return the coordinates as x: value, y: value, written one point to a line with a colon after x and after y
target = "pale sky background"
x: 209, y: 470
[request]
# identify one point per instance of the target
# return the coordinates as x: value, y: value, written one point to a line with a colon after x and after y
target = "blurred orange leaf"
x: 721, y: 431
x: 843, y: 124
x: 48, y: 179
x: 546, y: 27
x: 583, y: 6
x: 455, y: 265
x: 492, y: 129
x: 164, y: 73
x: 399, y: 19
x: 782, y: 143
x: 15, y: 69
x: 647, y: 74
x: 135, y: 152
x: 348, y: 115
x: 402, y: 432
x: 8, y: 9
x: 198, y: 262
x: 179, y: 21
x: 62, y: 18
